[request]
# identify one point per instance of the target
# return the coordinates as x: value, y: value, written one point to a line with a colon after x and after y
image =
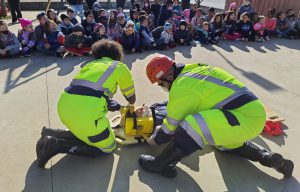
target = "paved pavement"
x: 30, y: 87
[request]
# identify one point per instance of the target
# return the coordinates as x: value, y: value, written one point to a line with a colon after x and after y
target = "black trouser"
x: 90, y: 3
x: 120, y: 3
x: 132, y: 3
x: 15, y: 8
x: 185, y: 4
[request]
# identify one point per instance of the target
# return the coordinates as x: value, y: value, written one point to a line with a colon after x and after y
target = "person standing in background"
x: 185, y: 4
x: 155, y: 9
x: 15, y: 10
x: 90, y: 3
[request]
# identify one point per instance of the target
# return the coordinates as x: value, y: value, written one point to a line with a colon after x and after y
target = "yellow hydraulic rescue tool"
x: 131, y: 127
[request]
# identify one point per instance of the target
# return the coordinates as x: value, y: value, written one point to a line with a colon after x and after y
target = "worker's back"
x: 201, y: 87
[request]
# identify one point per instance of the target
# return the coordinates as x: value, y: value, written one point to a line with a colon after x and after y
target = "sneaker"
x: 267, y: 38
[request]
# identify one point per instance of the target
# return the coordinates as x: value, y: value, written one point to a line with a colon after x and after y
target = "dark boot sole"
x: 168, y: 172
x: 282, y: 165
x: 288, y: 168
x: 47, y: 152
x: 39, y: 147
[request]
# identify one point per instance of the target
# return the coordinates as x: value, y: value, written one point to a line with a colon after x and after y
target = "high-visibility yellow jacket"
x: 199, y: 87
x: 105, y: 75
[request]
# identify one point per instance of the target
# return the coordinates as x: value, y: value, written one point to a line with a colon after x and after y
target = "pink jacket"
x: 270, y: 24
x: 259, y: 27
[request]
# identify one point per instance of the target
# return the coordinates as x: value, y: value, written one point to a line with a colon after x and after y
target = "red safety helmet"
x: 157, y: 67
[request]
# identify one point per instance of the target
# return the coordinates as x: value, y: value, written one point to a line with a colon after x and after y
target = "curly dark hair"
x: 107, y: 48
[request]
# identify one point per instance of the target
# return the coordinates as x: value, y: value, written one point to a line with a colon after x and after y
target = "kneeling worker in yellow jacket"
x: 83, y: 106
x: 207, y: 106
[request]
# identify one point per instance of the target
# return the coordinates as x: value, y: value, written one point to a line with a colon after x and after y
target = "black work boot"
x: 52, y: 146
x: 165, y: 162
x: 274, y: 160
x: 57, y: 133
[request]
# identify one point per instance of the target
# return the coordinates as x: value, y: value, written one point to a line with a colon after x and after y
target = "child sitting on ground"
x: 245, y: 28
x: 216, y: 28
x: 120, y: 25
x: 39, y: 29
x: 182, y: 35
x: 283, y: 28
x: 145, y: 34
x: 9, y: 43
x: 112, y: 30
x: 186, y: 14
x: 294, y: 22
x: 134, y: 16
x: 202, y: 33
x: 53, y: 40
x: 99, y: 33
x: 231, y: 27
x: 197, y: 16
x: 271, y: 22
x: 261, y: 33
x: 77, y: 43
x: 129, y: 39
x: 51, y: 14
x: 96, y: 11
x: 151, y: 20
x: 175, y: 19
x: 88, y: 24
x: 65, y: 26
x: 103, y: 18
x: 26, y: 37
x: 70, y: 13
x: 166, y: 39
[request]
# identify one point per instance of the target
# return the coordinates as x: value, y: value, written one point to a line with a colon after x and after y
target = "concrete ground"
x: 30, y: 88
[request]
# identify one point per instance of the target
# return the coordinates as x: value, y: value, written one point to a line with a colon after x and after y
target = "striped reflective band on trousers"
x: 172, y: 122
x: 108, y: 148
x: 238, y: 91
x: 192, y: 133
x: 98, y: 86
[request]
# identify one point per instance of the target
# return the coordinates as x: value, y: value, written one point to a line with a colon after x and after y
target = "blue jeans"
x: 283, y: 32
x: 78, y: 9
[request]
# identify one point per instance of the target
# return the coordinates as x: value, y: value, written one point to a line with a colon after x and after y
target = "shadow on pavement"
x: 72, y: 173
x: 37, y: 66
x: 256, y: 78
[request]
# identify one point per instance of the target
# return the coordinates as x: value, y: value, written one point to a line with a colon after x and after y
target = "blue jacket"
x: 130, y: 42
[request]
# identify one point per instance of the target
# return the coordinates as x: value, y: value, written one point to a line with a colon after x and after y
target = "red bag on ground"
x: 273, y: 128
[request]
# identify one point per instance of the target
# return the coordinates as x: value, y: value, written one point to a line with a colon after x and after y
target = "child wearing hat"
x: 96, y: 11
x: 9, y: 44
x: 182, y: 35
x: 175, y: 18
x: 120, y: 25
x: 26, y: 37
x: 99, y: 33
x: 88, y: 24
x: 77, y: 43
x: 130, y: 39
x: 166, y: 38
x: 65, y: 26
